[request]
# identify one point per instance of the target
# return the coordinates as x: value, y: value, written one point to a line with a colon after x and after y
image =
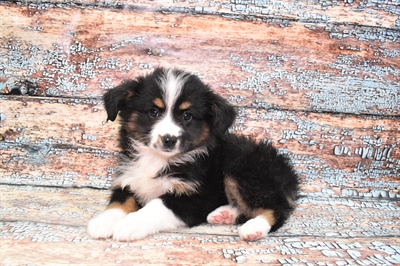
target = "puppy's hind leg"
x: 263, y: 185
x: 257, y: 227
x: 223, y: 215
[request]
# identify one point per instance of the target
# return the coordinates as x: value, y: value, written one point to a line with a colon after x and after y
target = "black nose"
x: 169, y: 141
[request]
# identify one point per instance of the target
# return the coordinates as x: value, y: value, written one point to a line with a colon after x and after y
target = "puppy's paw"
x: 254, y: 229
x: 132, y: 227
x: 151, y: 219
x: 103, y: 225
x: 223, y: 215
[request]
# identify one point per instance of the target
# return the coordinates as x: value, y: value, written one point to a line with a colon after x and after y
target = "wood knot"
x: 156, y: 51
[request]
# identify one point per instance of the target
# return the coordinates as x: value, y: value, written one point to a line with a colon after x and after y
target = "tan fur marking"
x: 130, y: 125
x: 117, y: 120
x: 159, y: 103
x: 128, y: 206
x: 234, y: 197
x: 232, y: 192
x: 204, y: 135
x: 129, y: 94
x: 267, y: 214
x: 184, y: 188
x: 184, y: 106
x: 159, y: 139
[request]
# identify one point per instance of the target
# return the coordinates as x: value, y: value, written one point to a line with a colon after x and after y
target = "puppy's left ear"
x: 222, y: 112
x: 115, y: 99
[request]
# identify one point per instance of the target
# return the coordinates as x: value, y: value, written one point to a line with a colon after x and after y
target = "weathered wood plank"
x: 70, y: 145
x: 71, y: 122
x: 52, y: 244
x: 280, y: 62
x: 74, y: 207
x: 369, y: 13
x: 52, y: 166
x: 49, y: 141
x: 50, y: 221
x: 57, y: 51
x: 330, y: 150
x: 39, y: 243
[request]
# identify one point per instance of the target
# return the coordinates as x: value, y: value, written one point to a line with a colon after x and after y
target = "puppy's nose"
x: 169, y: 141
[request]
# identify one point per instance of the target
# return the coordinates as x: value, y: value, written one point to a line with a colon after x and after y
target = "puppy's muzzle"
x: 169, y: 142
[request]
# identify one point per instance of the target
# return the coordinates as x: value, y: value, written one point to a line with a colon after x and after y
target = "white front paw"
x: 254, y: 229
x: 151, y: 219
x: 133, y: 227
x: 103, y: 225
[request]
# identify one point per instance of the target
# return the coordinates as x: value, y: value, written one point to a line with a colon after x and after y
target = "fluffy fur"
x: 180, y: 167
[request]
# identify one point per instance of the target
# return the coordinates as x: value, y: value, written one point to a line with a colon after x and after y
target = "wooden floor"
x: 318, y: 79
x: 47, y: 226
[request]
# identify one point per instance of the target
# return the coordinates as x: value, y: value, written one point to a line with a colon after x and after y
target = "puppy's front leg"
x: 151, y: 219
x: 121, y: 203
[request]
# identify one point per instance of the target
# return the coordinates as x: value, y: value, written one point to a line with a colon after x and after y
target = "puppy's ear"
x: 115, y: 99
x: 222, y: 112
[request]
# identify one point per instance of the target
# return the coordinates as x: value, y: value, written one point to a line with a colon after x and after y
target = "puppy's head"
x: 168, y: 111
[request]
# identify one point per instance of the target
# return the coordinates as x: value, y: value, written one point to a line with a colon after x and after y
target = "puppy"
x: 180, y: 167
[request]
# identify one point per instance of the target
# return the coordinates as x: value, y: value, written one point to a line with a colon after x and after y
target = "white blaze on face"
x: 171, y: 84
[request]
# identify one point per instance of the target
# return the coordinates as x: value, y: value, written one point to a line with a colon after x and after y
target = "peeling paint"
x: 327, y: 92
x: 306, y: 11
x: 62, y: 69
x: 363, y: 33
x: 372, y: 156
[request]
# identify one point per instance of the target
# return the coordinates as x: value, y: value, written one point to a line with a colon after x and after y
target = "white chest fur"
x: 141, y: 175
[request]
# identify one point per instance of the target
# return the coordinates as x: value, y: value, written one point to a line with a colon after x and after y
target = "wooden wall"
x: 320, y: 79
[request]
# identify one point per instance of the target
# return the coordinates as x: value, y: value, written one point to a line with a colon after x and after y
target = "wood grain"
x: 361, y: 230
x: 75, y: 206
x: 56, y: 50
x: 318, y: 79
x: 182, y: 249
x: 368, y: 13
x: 66, y: 148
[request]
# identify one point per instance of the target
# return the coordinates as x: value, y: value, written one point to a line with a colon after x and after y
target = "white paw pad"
x: 254, y: 229
x: 103, y: 225
x: 223, y: 215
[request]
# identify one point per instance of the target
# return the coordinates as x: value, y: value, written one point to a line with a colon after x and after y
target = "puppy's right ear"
x: 115, y: 99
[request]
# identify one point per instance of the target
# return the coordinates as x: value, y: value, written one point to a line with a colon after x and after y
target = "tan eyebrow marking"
x: 184, y: 105
x: 159, y: 103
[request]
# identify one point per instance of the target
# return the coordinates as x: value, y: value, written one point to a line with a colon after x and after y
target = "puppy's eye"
x: 187, y: 116
x: 153, y: 113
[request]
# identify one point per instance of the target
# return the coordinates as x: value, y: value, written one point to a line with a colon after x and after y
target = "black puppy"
x: 181, y: 168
